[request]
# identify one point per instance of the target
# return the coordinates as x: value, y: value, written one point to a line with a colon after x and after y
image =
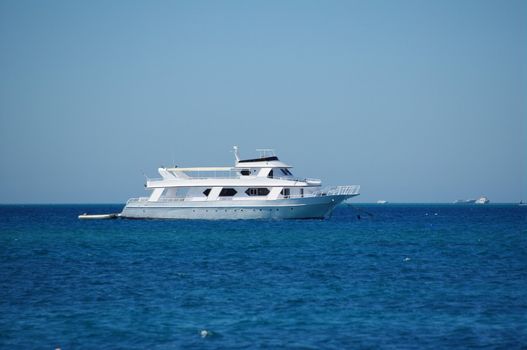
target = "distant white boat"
x: 382, y: 202
x: 482, y: 200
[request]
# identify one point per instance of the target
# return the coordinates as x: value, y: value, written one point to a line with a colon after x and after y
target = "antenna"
x: 235, y: 150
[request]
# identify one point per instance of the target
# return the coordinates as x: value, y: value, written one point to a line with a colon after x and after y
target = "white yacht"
x: 482, y: 200
x: 259, y: 188
x: 465, y: 201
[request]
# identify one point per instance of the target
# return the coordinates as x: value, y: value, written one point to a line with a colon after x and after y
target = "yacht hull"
x: 297, y: 208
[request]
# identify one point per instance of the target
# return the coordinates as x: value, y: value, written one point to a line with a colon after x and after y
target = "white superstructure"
x: 482, y: 200
x: 259, y: 188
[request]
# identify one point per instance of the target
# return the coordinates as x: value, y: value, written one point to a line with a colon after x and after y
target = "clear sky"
x: 417, y: 101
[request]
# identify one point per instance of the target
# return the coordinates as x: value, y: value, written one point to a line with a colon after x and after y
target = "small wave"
x: 205, y: 333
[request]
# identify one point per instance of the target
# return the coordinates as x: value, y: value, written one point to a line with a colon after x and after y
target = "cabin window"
x: 284, y: 172
x: 270, y: 174
x: 288, y: 172
x: 227, y: 192
x: 206, y: 192
x: 245, y: 172
x: 286, y: 192
x: 257, y: 191
x: 301, y: 192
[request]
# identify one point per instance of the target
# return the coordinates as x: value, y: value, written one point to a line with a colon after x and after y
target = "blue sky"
x: 417, y: 101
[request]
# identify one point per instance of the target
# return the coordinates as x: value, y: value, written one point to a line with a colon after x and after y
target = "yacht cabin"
x: 262, y: 178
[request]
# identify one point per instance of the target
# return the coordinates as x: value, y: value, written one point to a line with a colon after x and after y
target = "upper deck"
x: 224, y: 176
x: 267, y: 170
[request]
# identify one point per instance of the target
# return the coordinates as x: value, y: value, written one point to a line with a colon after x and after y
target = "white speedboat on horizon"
x: 482, y: 200
x: 465, y: 201
x: 259, y: 188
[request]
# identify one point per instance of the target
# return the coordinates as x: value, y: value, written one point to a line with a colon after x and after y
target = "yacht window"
x: 227, y: 192
x: 257, y: 191
x: 286, y: 192
x: 270, y: 174
x: 245, y: 172
x: 284, y: 172
x: 263, y: 191
x: 206, y: 192
x: 301, y: 192
x: 288, y: 172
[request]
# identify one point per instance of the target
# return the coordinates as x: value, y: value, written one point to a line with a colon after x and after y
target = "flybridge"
x: 267, y: 159
x: 264, y: 159
x: 265, y: 155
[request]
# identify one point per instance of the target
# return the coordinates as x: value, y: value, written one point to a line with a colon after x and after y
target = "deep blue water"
x: 409, y: 276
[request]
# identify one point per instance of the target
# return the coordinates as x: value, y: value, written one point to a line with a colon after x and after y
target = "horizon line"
x: 353, y: 203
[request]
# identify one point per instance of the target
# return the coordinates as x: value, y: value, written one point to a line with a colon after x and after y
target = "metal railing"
x: 330, y: 191
x: 344, y: 190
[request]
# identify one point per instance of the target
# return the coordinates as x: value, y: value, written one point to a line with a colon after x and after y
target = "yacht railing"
x: 343, y: 190
x: 330, y: 191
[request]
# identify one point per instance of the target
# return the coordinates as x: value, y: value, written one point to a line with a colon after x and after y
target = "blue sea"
x: 372, y: 276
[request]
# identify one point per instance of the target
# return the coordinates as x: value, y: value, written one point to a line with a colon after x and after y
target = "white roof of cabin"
x: 239, y: 165
x: 215, y: 182
x: 202, y: 169
x: 264, y: 164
